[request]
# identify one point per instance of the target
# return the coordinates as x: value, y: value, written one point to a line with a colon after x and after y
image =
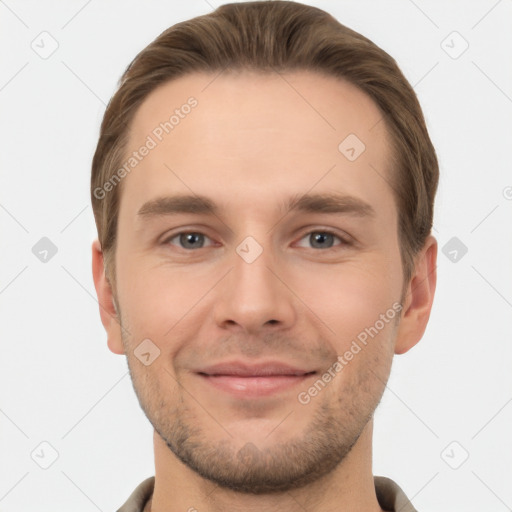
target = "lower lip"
x: 252, y: 387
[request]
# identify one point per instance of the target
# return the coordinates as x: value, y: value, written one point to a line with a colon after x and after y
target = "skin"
x: 251, y: 143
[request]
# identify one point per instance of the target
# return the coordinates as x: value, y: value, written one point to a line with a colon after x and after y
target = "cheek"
x: 158, y: 302
x: 351, y: 297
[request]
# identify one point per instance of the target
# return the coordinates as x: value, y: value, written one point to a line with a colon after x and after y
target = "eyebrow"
x: 308, y: 203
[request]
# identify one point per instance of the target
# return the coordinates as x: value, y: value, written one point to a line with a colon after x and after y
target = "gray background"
x: 447, y: 399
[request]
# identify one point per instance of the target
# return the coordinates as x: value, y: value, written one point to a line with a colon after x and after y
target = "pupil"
x: 321, y: 237
x: 191, y: 239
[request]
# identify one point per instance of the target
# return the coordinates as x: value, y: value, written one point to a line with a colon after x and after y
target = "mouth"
x: 252, y: 381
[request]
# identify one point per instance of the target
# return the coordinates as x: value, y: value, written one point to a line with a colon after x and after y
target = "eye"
x: 322, y: 239
x: 189, y: 240
x: 319, y: 239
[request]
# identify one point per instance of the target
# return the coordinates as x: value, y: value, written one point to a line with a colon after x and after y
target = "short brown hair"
x: 280, y: 36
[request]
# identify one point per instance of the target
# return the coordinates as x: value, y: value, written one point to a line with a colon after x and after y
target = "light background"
x: 58, y: 381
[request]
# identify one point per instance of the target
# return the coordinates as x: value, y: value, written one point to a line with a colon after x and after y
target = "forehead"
x: 223, y: 133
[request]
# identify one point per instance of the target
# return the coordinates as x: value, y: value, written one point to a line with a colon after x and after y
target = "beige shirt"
x: 391, y: 498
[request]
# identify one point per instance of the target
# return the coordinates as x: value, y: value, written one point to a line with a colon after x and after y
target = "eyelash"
x: 344, y: 241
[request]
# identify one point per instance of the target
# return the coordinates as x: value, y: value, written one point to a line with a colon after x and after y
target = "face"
x: 258, y: 274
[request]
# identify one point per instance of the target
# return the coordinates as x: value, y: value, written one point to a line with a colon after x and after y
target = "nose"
x: 255, y: 296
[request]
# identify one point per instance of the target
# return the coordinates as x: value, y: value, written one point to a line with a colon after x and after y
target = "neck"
x: 349, y: 487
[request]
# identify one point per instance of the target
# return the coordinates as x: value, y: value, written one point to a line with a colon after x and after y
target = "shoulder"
x: 390, y: 495
x: 139, y: 497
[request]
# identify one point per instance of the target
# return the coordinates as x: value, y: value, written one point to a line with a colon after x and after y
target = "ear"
x: 108, y: 313
x: 419, y: 297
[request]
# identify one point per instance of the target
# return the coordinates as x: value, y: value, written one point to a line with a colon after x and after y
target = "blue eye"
x: 189, y: 239
x: 322, y: 239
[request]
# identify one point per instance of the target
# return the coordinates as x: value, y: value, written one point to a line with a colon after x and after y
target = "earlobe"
x: 419, y: 298
x: 108, y: 312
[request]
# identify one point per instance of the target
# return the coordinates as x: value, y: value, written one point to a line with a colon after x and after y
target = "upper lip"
x: 241, y: 369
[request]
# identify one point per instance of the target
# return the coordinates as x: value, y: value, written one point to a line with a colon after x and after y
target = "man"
x: 263, y: 189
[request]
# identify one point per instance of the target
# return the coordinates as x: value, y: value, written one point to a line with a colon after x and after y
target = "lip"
x: 262, y: 369
x: 254, y: 380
